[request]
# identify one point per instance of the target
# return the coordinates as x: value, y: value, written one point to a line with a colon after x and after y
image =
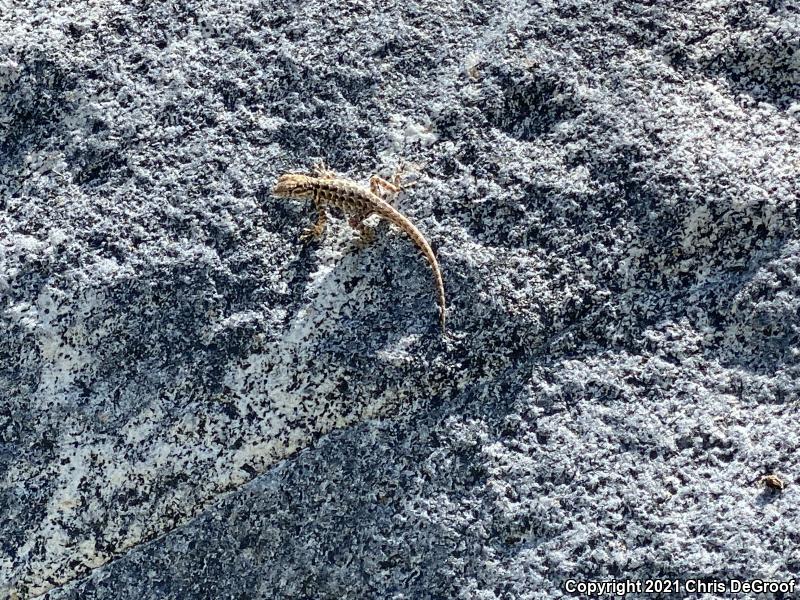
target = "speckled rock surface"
x: 195, y: 405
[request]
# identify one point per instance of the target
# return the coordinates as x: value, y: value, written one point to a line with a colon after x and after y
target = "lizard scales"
x: 325, y: 189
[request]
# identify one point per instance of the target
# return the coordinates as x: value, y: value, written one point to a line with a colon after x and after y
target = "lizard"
x: 325, y: 189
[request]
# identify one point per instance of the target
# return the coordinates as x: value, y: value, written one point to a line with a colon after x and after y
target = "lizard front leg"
x: 319, y: 227
x: 321, y: 170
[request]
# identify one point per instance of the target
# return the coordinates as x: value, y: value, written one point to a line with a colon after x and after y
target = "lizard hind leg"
x: 380, y: 186
x: 365, y: 232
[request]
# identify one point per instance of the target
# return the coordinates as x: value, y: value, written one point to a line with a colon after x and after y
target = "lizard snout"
x: 292, y: 185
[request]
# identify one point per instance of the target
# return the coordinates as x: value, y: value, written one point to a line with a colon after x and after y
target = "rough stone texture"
x: 194, y: 405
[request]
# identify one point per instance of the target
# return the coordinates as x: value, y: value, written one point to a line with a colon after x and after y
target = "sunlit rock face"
x: 195, y: 404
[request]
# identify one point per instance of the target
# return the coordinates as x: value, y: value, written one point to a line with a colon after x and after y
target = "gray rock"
x: 195, y: 405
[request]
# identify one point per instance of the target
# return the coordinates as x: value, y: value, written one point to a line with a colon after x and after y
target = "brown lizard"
x: 324, y: 188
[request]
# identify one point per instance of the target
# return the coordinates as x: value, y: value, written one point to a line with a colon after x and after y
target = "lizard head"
x: 294, y: 185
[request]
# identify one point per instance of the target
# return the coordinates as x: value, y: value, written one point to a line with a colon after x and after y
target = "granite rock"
x: 195, y: 405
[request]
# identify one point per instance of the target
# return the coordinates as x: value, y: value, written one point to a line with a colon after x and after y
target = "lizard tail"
x: 440, y: 290
x: 437, y: 278
x: 421, y: 243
